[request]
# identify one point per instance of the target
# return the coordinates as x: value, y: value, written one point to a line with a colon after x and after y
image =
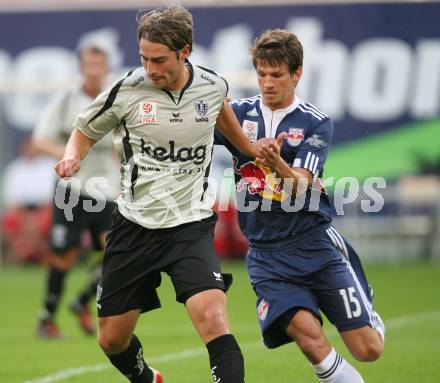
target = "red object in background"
x: 229, y: 241
x: 26, y: 231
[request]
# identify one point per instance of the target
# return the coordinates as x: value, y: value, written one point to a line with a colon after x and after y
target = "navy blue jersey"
x: 265, y: 211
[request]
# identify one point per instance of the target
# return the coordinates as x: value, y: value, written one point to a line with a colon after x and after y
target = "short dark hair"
x: 94, y: 50
x: 277, y: 47
x: 171, y: 26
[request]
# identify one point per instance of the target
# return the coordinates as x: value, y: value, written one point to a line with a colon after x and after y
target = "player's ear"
x: 297, y: 74
x: 185, y: 52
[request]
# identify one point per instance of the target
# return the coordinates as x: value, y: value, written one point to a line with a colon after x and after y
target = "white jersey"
x: 56, y: 125
x: 164, y: 141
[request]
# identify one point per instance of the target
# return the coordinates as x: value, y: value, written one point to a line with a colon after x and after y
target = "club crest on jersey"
x: 147, y: 113
x: 262, y: 310
x: 295, y: 136
x: 201, y: 109
x: 250, y: 129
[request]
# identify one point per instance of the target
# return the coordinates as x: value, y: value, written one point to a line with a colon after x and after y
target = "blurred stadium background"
x: 373, y: 66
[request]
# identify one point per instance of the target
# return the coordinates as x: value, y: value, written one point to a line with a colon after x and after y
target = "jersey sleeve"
x: 313, y: 151
x: 104, y: 114
x: 52, y: 118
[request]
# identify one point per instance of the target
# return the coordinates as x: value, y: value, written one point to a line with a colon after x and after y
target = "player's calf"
x: 207, y: 310
x: 131, y: 363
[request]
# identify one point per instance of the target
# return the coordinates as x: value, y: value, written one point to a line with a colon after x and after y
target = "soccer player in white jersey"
x: 50, y: 137
x: 298, y: 263
x: 162, y: 116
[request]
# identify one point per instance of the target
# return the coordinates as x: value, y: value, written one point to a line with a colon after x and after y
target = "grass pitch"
x: 407, y: 296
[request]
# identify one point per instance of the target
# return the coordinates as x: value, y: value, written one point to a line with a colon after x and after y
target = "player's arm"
x: 47, y: 147
x: 46, y: 135
x: 95, y: 122
x: 76, y: 149
x: 229, y: 126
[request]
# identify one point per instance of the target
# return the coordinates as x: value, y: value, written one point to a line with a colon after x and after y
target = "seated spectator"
x: 27, y: 191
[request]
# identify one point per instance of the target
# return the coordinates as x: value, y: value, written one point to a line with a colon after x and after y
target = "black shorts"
x: 135, y: 257
x: 66, y: 234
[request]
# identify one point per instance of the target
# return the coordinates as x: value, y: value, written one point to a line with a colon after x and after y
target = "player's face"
x: 94, y: 65
x: 165, y: 68
x: 277, y: 85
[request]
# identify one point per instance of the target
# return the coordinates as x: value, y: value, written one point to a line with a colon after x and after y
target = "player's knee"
x: 65, y: 261
x: 213, y: 323
x: 369, y: 351
x: 112, y: 344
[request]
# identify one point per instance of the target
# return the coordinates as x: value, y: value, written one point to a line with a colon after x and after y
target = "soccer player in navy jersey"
x: 298, y: 263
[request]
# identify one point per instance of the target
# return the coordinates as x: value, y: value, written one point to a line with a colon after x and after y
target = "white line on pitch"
x: 392, y: 323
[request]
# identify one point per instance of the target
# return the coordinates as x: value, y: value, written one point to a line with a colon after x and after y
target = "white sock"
x: 378, y: 325
x: 335, y: 369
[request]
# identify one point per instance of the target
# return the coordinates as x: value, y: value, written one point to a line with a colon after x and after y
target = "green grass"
x: 408, y: 297
x: 389, y: 154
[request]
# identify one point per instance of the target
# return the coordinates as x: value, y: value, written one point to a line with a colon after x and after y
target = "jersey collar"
x: 284, y: 111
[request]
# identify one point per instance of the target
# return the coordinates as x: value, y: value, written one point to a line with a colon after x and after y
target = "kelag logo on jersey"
x: 147, y: 113
x: 183, y: 154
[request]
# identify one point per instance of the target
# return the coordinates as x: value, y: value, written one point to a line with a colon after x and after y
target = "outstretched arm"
x: 48, y: 147
x: 76, y: 149
x: 229, y: 126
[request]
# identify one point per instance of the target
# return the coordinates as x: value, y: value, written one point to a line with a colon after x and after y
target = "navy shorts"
x: 321, y: 273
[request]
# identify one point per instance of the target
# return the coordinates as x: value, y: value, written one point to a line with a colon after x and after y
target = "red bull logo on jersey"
x: 147, y: 113
x: 260, y: 180
x: 295, y: 136
x: 262, y: 310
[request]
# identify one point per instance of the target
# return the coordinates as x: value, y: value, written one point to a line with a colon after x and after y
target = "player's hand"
x: 271, y: 152
x: 256, y: 148
x: 67, y: 167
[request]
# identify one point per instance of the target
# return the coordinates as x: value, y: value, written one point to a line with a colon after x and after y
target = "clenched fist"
x: 67, y: 167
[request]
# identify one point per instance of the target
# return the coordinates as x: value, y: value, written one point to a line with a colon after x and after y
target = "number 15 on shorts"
x: 351, y: 303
